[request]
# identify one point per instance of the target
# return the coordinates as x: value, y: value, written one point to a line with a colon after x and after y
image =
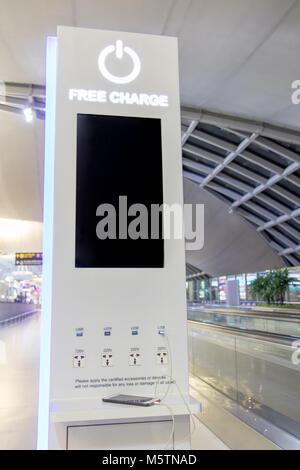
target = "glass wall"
x: 200, y: 290
x: 213, y: 291
x: 242, y: 286
x: 222, y: 289
x: 250, y: 277
x: 294, y: 290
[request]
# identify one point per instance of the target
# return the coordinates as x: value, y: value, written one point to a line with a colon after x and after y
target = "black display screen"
x: 117, y: 157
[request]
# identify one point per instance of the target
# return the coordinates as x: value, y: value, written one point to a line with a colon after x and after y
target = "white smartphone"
x: 131, y: 400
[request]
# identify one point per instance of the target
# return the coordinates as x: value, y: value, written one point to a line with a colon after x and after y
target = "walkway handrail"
x: 280, y: 316
x: 20, y: 316
x: 253, y: 334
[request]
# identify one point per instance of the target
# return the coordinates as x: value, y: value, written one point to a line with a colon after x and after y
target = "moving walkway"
x: 251, y: 363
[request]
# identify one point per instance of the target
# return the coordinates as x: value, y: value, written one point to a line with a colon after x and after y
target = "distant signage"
x: 29, y: 259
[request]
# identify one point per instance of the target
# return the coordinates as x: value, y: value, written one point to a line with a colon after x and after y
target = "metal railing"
x: 281, y: 326
x: 254, y: 368
x: 18, y: 318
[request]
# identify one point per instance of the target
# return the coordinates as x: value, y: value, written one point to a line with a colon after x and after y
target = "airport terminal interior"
x: 239, y: 160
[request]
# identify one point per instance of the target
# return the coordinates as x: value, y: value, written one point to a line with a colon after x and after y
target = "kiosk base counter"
x: 86, y: 424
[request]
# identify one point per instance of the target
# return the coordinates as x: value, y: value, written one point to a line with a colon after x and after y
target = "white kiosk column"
x: 114, y: 310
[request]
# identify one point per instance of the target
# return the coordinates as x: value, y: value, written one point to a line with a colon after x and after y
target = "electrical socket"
x: 79, y: 360
x: 162, y: 357
x: 107, y: 359
x: 134, y: 359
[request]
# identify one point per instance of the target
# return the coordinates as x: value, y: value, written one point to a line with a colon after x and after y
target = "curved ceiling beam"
x: 254, y: 167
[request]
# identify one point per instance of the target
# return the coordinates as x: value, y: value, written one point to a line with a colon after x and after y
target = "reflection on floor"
x: 234, y: 433
x: 204, y: 439
x: 19, y: 366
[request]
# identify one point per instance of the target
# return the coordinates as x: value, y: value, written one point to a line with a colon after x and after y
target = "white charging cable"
x: 171, y: 371
x: 171, y: 437
x: 172, y: 381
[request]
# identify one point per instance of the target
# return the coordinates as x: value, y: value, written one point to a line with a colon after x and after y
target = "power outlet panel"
x: 107, y: 359
x: 162, y: 357
x: 79, y: 360
x: 135, y: 359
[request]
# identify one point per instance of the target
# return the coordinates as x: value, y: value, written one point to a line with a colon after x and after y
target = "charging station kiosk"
x: 114, y: 308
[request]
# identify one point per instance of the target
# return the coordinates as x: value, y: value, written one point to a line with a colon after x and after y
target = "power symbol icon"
x: 119, y: 51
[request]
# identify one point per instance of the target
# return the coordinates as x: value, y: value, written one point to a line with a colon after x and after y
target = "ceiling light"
x: 28, y: 113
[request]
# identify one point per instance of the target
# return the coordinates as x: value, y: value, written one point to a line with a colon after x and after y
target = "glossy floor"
x: 19, y: 366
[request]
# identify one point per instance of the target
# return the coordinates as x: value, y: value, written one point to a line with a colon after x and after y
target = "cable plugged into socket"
x: 162, y: 357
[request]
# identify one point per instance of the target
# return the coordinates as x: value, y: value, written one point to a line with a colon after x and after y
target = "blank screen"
x: 117, y: 156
